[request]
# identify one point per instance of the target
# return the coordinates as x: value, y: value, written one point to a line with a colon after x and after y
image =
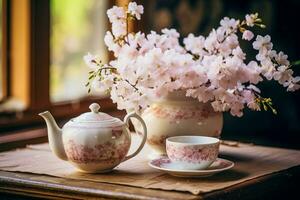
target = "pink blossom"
x: 119, y: 28
x: 283, y: 74
x: 229, y: 24
x: 250, y: 19
x: 293, y: 87
x: 248, y: 35
x: 238, y: 52
x: 90, y: 60
x: 253, y: 72
x: 194, y: 44
x: 254, y: 88
x: 210, y: 69
x: 281, y: 59
x: 172, y: 33
x: 262, y: 43
x: 135, y: 10
x: 110, y: 43
x: 116, y: 13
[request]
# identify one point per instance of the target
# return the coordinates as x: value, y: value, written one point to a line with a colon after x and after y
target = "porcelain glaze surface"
x: 166, y: 165
x: 94, y: 141
x: 179, y: 115
x: 192, y: 152
x: 103, y: 149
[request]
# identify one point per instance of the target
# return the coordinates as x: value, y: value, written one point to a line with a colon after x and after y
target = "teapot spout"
x: 54, y: 135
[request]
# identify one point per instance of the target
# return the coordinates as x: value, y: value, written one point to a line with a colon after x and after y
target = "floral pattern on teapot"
x: 108, y: 151
x: 93, y: 142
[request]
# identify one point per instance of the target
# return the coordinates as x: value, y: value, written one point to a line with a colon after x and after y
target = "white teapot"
x: 93, y: 142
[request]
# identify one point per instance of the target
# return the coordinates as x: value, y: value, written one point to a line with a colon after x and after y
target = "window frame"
x: 36, y: 61
x: 5, y: 50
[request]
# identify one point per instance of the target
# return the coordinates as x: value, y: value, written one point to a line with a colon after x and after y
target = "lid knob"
x: 94, y: 107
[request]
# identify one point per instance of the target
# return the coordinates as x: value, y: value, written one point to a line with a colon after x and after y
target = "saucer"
x: 166, y: 165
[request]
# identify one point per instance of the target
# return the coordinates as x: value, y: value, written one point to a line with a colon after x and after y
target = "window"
x: 1, y: 50
x: 77, y: 27
x: 47, y: 41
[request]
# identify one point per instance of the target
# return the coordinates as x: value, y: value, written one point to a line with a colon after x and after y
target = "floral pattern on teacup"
x: 192, y: 154
x: 160, y: 162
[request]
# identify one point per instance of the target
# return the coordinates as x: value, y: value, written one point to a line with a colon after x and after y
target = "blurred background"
x: 43, y: 41
x: 280, y: 18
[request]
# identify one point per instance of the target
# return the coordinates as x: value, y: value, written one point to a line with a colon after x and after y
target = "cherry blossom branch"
x: 211, y: 69
x: 132, y: 85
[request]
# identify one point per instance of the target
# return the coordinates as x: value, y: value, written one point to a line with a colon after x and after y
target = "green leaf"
x: 265, y: 107
x: 297, y: 62
x: 91, y: 76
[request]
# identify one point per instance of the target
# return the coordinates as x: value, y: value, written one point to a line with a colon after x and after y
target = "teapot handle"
x: 126, y: 120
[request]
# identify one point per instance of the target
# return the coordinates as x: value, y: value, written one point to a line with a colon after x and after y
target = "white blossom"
x: 91, y: 60
x: 135, y: 10
x: 281, y: 59
x: 194, y: 44
x: 229, y: 24
x: 110, y: 43
x: 283, y: 74
x: 119, y: 28
x: 293, y: 87
x: 210, y: 69
x: 263, y: 43
x: 116, y: 13
x: 248, y: 35
x: 250, y: 19
x: 253, y: 72
x: 238, y: 52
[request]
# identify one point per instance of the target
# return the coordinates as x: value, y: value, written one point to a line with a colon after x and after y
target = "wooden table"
x: 276, y: 186
x: 281, y: 185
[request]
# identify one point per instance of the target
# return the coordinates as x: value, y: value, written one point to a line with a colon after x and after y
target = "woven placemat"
x: 251, y: 161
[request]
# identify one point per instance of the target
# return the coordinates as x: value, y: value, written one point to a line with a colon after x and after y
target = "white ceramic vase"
x: 178, y: 115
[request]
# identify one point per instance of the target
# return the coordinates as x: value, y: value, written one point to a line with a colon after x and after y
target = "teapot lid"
x: 97, y: 117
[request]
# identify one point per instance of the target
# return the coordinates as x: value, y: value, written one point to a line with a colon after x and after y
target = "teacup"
x: 192, y: 152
